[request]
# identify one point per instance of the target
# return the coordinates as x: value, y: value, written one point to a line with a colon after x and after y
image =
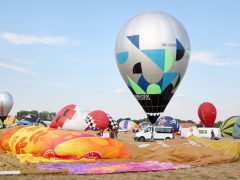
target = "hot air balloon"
x: 145, y: 124
x: 236, y: 129
x: 128, y: 125
x: 227, y: 126
x: 6, y: 103
x: 113, y: 124
x: 152, y: 53
x: 168, y: 122
x: 69, y: 117
x: 97, y: 120
x: 207, y: 114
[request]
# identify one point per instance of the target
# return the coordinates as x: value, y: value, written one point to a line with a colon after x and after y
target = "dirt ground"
x: 212, y: 171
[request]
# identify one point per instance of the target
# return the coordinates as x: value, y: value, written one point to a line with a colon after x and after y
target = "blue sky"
x: 53, y: 53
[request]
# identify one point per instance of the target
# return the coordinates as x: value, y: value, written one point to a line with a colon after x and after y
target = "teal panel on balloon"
x: 167, y: 79
x: 122, y: 57
x: 157, y: 56
x: 134, y: 40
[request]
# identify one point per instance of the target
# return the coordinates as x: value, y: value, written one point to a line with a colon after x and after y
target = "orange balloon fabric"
x: 60, y: 144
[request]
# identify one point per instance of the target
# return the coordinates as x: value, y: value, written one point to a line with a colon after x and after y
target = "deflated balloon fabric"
x: 55, y: 144
x: 108, y: 168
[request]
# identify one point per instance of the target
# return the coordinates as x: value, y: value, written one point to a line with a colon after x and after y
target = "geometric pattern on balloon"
x: 122, y: 57
x: 167, y: 79
x: 161, y: 57
x: 144, y: 87
x: 180, y: 50
x: 134, y: 40
x: 143, y: 83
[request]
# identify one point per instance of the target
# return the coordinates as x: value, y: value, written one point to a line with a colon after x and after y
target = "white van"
x: 154, y: 133
x: 206, y: 132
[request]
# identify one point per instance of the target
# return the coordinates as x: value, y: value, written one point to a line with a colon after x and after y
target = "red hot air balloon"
x: 207, y: 114
x: 97, y: 120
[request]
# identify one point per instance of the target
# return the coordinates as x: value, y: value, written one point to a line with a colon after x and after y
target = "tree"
x: 44, y: 115
x: 21, y: 114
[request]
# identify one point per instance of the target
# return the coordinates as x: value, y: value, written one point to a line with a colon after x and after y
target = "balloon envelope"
x: 97, y: 120
x: 128, y: 125
x: 236, y: 129
x: 6, y: 103
x: 69, y: 117
x: 113, y: 124
x: 207, y: 113
x: 168, y: 121
x: 152, y: 53
x: 145, y: 124
x: 227, y: 126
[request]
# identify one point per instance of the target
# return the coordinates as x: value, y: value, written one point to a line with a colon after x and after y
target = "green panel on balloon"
x: 188, y: 53
x: 137, y: 89
x: 168, y: 60
x: 153, y: 89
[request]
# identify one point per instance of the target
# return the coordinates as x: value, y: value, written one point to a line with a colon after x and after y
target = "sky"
x: 55, y: 53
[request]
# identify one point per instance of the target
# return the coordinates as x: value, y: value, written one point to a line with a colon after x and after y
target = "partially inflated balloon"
x: 227, y: 126
x: 207, y: 113
x: 152, y: 53
x: 97, y: 120
x: 113, y: 124
x: 69, y: 117
x: 6, y: 103
x: 168, y: 122
x: 128, y: 125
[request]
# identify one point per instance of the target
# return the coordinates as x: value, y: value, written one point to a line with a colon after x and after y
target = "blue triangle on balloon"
x: 180, y: 50
x: 122, y: 57
x: 157, y: 56
x: 134, y: 40
x: 179, y: 45
x: 167, y: 79
x: 143, y: 83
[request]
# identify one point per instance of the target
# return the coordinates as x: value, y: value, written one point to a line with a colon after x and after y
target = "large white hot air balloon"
x: 152, y: 52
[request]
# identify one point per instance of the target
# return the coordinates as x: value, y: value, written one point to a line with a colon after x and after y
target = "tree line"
x: 44, y: 115
x: 47, y: 116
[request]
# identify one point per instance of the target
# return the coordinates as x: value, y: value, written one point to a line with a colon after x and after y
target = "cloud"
x: 16, y: 67
x: 232, y: 44
x: 119, y: 91
x: 18, y: 39
x: 211, y: 58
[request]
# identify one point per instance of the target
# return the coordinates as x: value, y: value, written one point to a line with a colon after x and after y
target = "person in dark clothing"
x: 212, y: 135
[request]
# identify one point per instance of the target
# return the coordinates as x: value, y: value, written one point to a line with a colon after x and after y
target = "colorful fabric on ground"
x: 109, y: 168
x: 55, y: 144
x: 227, y: 146
x: 9, y: 121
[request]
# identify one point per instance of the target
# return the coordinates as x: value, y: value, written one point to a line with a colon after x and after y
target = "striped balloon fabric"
x: 227, y: 126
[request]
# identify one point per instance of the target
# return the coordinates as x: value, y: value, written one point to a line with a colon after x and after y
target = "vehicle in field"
x: 154, y: 133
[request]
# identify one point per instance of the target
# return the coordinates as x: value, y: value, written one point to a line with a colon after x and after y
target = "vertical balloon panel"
x: 152, y: 53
